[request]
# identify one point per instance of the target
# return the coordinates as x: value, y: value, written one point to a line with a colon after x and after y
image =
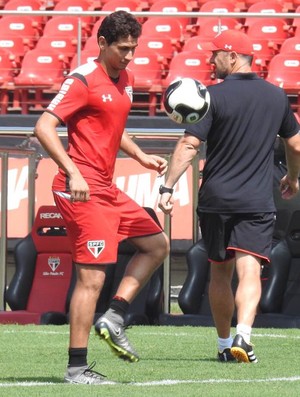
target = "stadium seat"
x: 63, y: 46
x: 165, y: 27
x: 284, y: 70
x: 194, y: 64
x: 172, y: 6
x: 14, y: 44
x: 208, y: 28
x: 295, y: 24
x: 8, y: 70
x: 162, y: 46
x: 219, y: 6
x: 271, y: 29
x: 62, y: 26
x: 116, y: 5
x: 41, y: 70
x: 263, y: 52
x: 85, y: 56
x: 279, y: 304
x: 20, y: 26
x: 264, y: 7
x: 38, y: 290
x: 197, y: 43
x: 28, y: 5
x: 77, y: 6
x: 291, y: 46
x: 147, y: 71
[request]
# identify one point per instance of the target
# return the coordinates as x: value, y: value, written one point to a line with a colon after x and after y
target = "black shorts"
x: 223, y: 234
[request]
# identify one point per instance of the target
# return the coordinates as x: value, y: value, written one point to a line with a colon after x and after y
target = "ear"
x: 101, y: 42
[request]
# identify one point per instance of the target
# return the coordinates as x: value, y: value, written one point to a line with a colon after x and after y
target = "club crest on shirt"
x: 128, y: 89
x: 96, y: 247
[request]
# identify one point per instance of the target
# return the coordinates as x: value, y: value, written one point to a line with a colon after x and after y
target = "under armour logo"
x: 228, y: 46
x: 106, y: 98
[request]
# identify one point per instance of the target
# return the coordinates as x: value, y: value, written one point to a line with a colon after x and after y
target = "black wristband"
x: 164, y: 189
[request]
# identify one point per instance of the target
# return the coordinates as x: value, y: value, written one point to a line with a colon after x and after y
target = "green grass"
x: 175, y: 361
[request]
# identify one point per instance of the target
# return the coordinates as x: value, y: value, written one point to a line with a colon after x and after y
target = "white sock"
x: 224, y: 343
x: 245, y: 331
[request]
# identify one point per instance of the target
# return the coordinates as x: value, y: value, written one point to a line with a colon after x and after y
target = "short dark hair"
x: 119, y: 24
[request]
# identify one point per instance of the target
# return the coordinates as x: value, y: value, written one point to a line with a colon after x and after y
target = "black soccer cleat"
x: 242, y: 351
x: 225, y: 356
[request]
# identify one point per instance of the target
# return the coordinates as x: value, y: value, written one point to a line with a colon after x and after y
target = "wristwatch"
x: 164, y: 189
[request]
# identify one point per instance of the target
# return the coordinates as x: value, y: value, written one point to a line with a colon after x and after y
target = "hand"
x: 156, y: 163
x: 166, y: 203
x: 79, y: 189
x: 288, y: 187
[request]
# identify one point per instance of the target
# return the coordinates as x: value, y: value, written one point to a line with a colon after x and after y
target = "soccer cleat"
x: 242, y: 351
x: 115, y: 337
x: 225, y: 356
x: 85, y: 376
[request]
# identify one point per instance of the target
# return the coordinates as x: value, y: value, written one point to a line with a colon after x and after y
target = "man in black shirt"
x: 236, y: 208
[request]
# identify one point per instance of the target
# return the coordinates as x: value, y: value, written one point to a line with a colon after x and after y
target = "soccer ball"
x: 186, y: 100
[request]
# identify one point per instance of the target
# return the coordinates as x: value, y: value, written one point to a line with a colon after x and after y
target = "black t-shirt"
x: 245, y: 116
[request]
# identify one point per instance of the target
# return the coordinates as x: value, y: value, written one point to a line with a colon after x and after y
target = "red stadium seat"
x: 196, y: 43
x: 38, y: 291
x: 193, y: 64
x: 28, y: 5
x: 14, y: 44
x: 172, y: 6
x: 264, y: 7
x: 263, y: 52
x: 77, y: 6
x: 20, y: 26
x: 8, y: 70
x: 291, y: 45
x: 219, y: 6
x: 147, y: 71
x: 208, y: 28
x: 63, y: 46
x: 164, y: 27
x: 92, y: 45
x: 41, y: 71
x: 284, y: 71
x: 271, y: 29
x: 159, y: 44
x: 62, y: 26
x: 84, y: 57
x: 116, y: 5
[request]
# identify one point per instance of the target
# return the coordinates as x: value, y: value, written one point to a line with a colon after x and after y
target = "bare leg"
x: 90, y: 280
x: 249, y: 288
x: 221, y: 296
x: 152, y: 251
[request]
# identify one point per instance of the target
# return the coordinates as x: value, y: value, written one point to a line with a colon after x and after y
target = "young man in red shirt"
x: 94, y: 102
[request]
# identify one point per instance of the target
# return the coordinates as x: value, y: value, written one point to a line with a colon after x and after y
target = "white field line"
x: 157, y: 333
x: 166, y: 382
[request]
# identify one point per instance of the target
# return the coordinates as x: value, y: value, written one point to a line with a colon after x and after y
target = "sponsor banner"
x: 139, y: 183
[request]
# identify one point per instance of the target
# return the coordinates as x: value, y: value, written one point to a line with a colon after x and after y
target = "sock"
x: 245, y: 331
x: 117, y: 309
x: 77, y: 357
x: 225, y: 343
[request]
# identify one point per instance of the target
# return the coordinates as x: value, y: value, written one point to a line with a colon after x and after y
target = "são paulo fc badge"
x: 128, y: 89
x: 96, y: 247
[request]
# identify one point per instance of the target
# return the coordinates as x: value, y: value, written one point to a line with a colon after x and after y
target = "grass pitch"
x: 175, y: 361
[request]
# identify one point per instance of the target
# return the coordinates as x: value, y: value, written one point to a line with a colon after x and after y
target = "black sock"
x: 119, y: 305
x: 77, y: 356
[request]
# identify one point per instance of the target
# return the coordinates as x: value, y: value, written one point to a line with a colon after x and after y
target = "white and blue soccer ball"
x: 186, y: 100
